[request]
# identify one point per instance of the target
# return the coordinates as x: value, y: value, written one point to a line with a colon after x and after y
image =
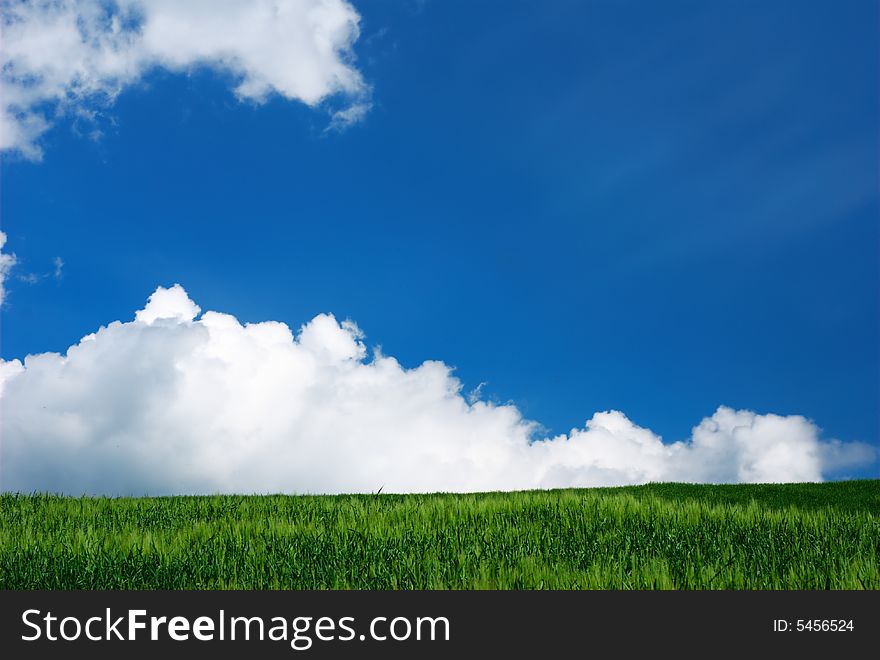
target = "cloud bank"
x: 72, y: 56
x: 174, y: 403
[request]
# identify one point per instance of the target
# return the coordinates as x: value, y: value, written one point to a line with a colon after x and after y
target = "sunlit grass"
x: 660, y: 536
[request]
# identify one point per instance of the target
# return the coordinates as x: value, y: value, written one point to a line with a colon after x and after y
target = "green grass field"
x: 660, y: 536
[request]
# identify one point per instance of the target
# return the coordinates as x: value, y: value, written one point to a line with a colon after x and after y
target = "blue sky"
x: 657, y: 208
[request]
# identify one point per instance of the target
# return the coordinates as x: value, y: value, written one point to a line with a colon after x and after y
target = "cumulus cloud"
x: 174, y: 402
x: 7, y: 261
x: 70, y: 56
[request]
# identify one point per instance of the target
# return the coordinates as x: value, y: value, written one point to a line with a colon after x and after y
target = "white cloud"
x: 172, y: 304
x: 7, y: 261
x: 177, y: 403
x: 72, y: 55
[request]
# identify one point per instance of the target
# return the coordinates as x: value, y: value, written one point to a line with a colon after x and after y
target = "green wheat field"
x: 659, y: 536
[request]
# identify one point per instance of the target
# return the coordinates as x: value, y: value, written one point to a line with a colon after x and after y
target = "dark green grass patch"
x: 850, y: 496
x: 666, y: 536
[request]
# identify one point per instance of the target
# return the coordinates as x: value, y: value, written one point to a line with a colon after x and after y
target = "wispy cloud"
x: 7, y: 261
x: 28, y: 278
x: 342, y: 119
